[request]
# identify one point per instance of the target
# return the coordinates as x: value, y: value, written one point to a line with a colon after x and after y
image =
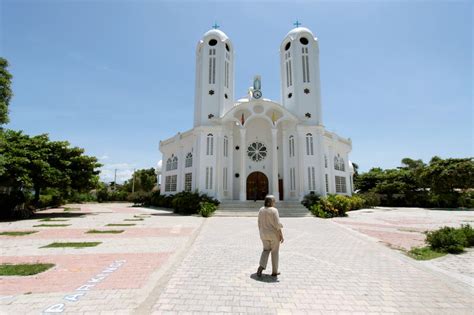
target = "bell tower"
x: 214, y: 91
x: 299, y: 69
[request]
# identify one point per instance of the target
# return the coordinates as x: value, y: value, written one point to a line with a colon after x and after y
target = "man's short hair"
x: 269, y: 201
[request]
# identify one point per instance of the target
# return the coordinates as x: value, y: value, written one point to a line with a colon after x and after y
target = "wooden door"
x: 257, y: 186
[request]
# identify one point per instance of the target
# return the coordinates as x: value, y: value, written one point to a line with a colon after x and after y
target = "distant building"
x: 245, y: 149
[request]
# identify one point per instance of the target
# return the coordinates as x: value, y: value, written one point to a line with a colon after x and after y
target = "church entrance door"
x: 257, y: 186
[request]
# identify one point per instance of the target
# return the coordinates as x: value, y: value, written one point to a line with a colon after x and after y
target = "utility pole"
x: 133, y: 181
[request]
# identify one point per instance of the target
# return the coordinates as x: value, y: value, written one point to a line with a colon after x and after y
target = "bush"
x: 50, y: 198
x: 140, y: 198
x: 13, y: 206
x: 341, y: 203
x: 469, y: 234
x: 186, y: 202
x: 357, y: 202
x: 155, y: 197
x: 327, y: 207
x: 371, y: 199
x: 444, y: 200
x: 77, y: 197
x: 310, y: 199
x: 447, y: 239
x: 466, y: 199
x: 207, y: 209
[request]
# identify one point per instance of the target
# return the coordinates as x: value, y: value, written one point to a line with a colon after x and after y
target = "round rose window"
x: 257, y: 151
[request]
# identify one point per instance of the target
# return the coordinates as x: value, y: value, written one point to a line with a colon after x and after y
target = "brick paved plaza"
x: 185, y: 264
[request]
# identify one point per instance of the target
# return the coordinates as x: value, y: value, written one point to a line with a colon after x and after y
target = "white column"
x: 320, y: 160
x: 219, y: 153
x: 275, y: 164
x: 301, y: 170
x: 196, y: 161
x: 285, y: 159
x: 331, y: 174
x: 243, y: 188
x: 230, y: 168
x: 180, y: 171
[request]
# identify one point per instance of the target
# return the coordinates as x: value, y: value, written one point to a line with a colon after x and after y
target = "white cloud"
x: 124, y: 172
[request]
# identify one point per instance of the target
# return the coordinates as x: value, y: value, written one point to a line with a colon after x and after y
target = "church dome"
x: 216, y: 33
x: 299, y: 30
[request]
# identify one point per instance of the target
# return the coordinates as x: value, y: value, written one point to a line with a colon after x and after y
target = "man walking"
x: 271, y: 235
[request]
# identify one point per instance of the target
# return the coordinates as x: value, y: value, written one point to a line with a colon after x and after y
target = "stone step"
x: 220, y: 213
x: 248, y: 208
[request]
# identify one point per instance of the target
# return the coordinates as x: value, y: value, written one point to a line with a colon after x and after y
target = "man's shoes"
x: 275, y: 274
x: 259, y: 271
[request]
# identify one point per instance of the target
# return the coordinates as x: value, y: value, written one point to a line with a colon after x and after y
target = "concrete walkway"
x: 325, y: 269
x: 174, y: 264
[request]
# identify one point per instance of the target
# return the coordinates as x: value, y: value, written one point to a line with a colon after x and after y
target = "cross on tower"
x: 215, y: 26
x: 297, y: 24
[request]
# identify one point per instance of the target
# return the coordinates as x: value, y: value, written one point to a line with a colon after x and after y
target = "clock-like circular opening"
x: 304, y: 40
x: 212, y: 42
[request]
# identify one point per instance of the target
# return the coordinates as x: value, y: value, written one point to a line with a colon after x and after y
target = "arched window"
x: 212, y: 65
x: 189, y: 160
x: 289, y: 80
x: 309, y: 144
x: 227, y: 69
x: 210, y: 144
x: 292, y: 146
x: 168, y: 164
x: 341, y: 165
x: 311, y: 178
x: 226, y: 146
x: 305, y: 63
x: 174, y: 164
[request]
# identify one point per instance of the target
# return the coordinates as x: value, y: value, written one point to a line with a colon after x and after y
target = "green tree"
x: 365, y: 182
x: 444, y: 176
x: 5, y: 90
x: 145, y: 180
x: 38, y: 163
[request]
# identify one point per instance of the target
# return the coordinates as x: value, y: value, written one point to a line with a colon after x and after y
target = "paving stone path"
x: 174, y: 264
x: 325, y: 269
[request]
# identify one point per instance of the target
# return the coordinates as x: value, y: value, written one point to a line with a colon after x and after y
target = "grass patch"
x: 53, y: 220
x: 17, y: 233
x: 71, y: 209
x: 424, y: 253
x: 51, y: 225
x: 120, y: 224
x: 104, y: 231
x: 72, y: 244
x: 23, y: 269
x: 141, y: 219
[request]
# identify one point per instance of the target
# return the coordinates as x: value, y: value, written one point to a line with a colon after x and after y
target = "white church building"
x: 246, y: 149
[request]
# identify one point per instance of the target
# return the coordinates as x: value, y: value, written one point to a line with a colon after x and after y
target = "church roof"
x: 298, y: 30
x: 218, y: 33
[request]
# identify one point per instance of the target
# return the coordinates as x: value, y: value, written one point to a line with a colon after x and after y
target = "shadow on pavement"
x: 264, y: 278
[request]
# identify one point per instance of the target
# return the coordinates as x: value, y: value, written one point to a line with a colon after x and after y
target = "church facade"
x: 246, y: 149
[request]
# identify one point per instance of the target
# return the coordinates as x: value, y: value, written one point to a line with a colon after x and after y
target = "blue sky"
x: 115, y: 77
